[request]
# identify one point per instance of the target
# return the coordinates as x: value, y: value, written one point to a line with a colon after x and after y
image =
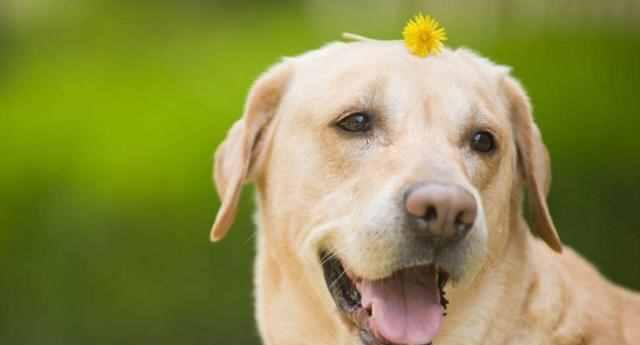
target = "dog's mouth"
x: 405, y: 308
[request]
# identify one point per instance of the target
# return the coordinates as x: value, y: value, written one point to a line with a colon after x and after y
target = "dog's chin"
x: 404, y: 308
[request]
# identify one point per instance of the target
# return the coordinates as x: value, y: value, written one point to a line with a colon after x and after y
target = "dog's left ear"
x: 238, y: 157
x: 533, y: 161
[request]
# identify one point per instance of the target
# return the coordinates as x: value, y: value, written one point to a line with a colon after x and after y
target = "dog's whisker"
x: 335, y: 281
x: 334, y: 253
x: 327, y: 258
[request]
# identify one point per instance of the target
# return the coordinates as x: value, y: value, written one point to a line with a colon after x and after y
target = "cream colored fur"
x: 320, y: 189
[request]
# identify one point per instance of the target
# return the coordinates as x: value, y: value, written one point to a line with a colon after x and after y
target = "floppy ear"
x: 235, y: 159
x: 533, y: 160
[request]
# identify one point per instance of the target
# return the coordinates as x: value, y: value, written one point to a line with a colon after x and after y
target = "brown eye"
x: 483, y: 142
x: 356, y: 122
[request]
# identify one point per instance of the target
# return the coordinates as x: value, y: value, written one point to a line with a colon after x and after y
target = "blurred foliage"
x: 110, y: 112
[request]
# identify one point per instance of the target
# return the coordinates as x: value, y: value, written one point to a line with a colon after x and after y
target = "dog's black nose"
x: 443, y: 212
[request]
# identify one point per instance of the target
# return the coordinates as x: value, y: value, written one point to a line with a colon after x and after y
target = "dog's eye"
x: 356, y: 122
x: 483, y: 141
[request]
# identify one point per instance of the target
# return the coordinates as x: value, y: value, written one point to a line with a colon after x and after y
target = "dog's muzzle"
x: 407, y: 306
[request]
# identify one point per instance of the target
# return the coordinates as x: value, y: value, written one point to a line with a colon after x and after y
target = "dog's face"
x: 387, y: 174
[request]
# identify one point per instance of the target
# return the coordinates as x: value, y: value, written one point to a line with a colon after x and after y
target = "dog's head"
x: 388, y: 174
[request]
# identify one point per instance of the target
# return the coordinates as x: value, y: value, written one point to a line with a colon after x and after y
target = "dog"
x: 389, y: 207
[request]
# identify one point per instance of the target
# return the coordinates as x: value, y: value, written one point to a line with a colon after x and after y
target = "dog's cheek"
x: 480, y: 170
x: 497, y: 200
x: 475, y: 252
x: 375, y: 234
x: 497, y: 191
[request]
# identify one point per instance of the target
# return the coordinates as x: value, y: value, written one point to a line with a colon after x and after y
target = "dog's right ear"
x: 245, y: 143
x: 533, y: 160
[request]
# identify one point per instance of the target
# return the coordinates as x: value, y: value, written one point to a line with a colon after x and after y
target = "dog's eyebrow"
x: 367, y: 98
x: 479, y: 115
x: 479, y: 118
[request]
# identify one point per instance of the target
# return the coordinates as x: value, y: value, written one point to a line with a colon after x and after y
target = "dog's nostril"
x: 459, y: 218
x: 463, y: 222
x: 431, y: 214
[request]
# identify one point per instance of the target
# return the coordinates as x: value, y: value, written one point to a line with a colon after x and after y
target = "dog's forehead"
x: 340, y: 73
x: 386, y: 59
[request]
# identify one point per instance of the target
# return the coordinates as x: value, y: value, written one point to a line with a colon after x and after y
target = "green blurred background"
x: 110, y: 112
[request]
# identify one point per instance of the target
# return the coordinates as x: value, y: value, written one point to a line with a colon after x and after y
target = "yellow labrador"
x: 389, y: 192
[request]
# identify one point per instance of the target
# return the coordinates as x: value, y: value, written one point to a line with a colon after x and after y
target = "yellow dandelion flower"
x: 423, y: 35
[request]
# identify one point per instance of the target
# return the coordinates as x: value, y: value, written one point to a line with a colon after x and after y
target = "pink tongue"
x: 405, y: 307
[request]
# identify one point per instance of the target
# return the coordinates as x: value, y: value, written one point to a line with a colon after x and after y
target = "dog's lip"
x: 341, y: 283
